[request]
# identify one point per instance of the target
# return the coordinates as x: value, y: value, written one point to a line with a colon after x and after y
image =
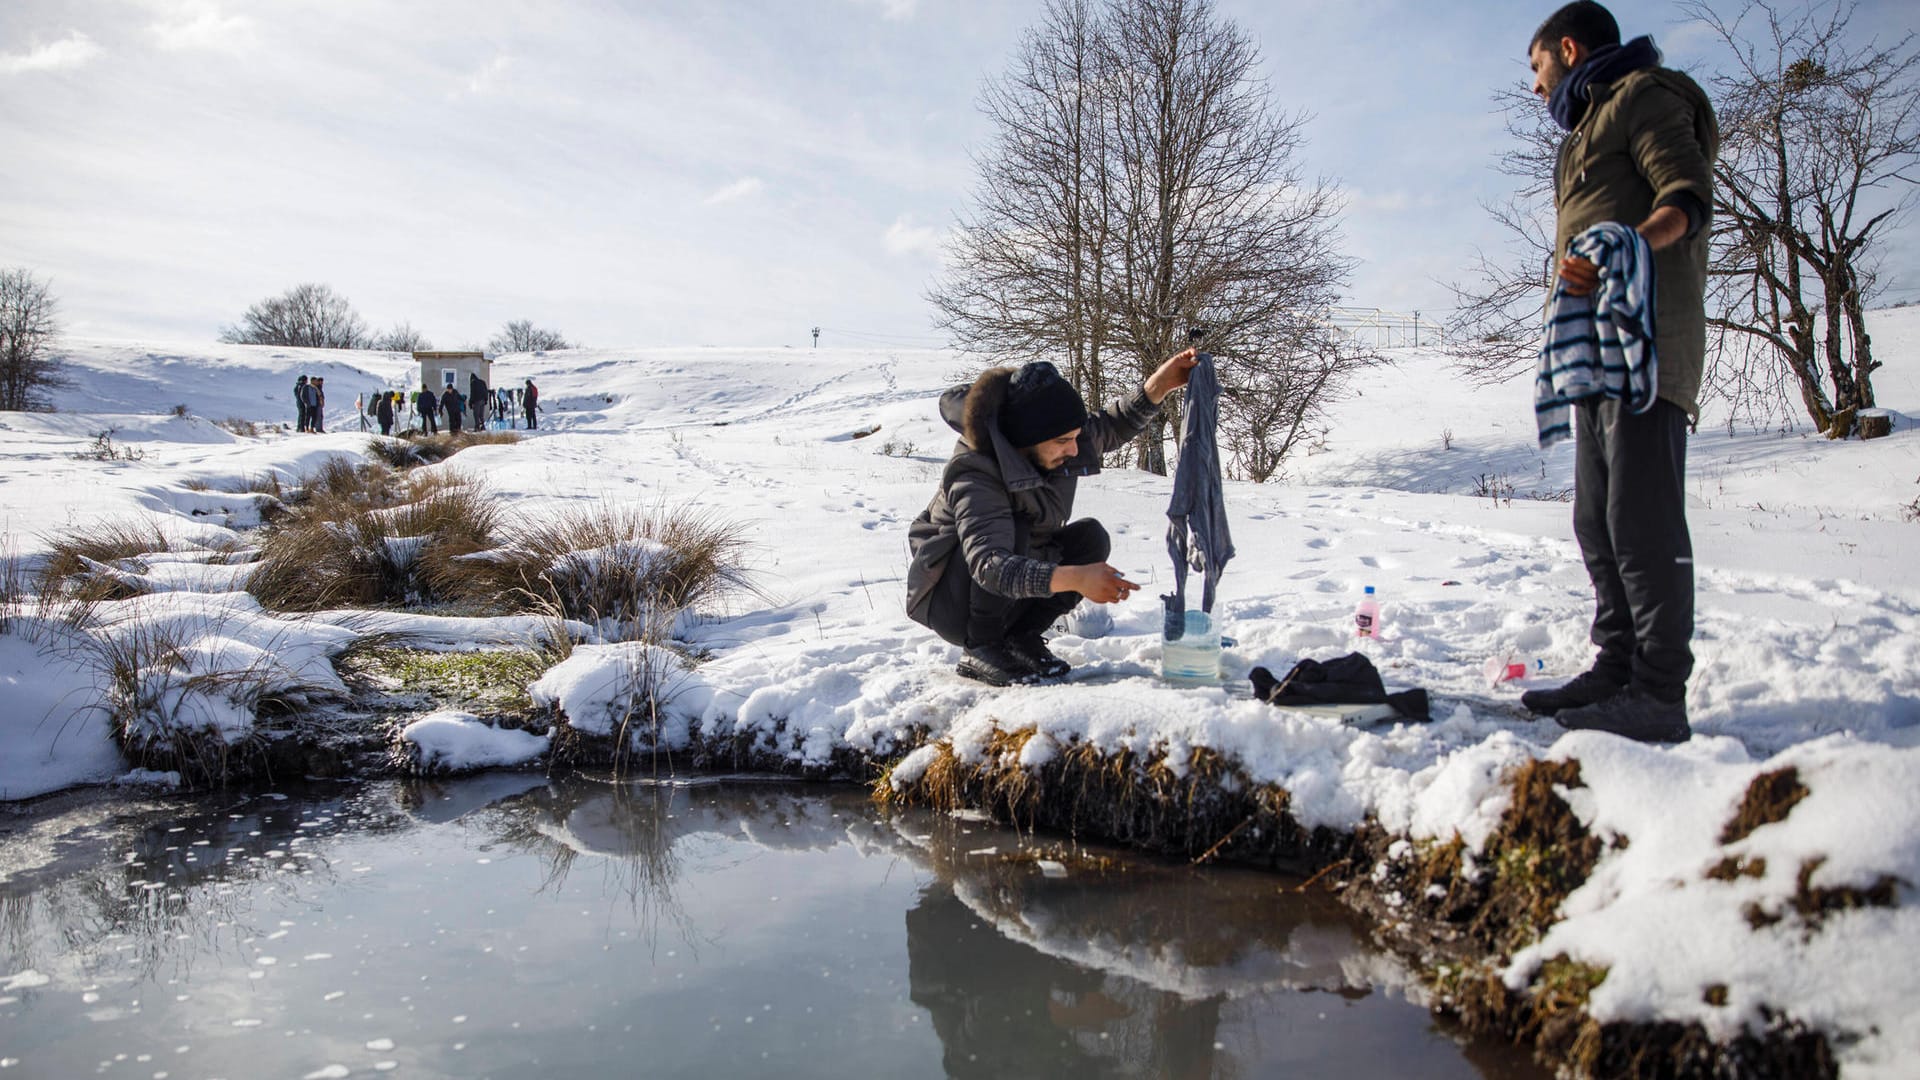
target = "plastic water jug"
x: 1194, y: 657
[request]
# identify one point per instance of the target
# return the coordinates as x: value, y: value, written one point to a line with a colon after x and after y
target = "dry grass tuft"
x: 367, y: 539
x: 83, y: 564
x: 1769, y: 798
x: 628, y: 571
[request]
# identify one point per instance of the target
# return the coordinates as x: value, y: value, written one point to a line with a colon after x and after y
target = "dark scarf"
x: 1568, y: 102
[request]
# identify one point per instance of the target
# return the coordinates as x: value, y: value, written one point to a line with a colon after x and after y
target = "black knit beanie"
x: 1040, y: 405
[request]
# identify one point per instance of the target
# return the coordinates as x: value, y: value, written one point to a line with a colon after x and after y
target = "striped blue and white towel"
x: 1602, y: 343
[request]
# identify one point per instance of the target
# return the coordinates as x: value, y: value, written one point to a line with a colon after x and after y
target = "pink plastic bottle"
x: 1366, y: 617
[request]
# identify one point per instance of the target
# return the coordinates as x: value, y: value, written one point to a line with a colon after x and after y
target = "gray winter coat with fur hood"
x: 994, y: 506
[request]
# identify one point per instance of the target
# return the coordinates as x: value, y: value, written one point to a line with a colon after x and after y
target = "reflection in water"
x: 773, y: 923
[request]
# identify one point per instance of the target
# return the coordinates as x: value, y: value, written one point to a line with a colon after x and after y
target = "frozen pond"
x: 513, y: 926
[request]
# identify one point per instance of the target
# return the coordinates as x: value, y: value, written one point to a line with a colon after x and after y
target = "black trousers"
x: 967, y: 615
x: 1630, y: 516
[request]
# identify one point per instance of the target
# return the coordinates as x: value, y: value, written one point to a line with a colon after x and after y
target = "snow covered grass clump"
x: 626, y: 571
x: 365, y: 538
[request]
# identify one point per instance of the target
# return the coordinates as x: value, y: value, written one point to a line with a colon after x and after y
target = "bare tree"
x: 521, y: 335
x: 308, y: 315
x: 1821, y: 137
x: 1034, y: 252
x: 402, y: 338
x: 28, y: 325
x: 1494, y: 332
x: 1141, y: 182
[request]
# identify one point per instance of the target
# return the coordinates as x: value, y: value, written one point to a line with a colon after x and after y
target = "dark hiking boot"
x: 997, y: 665
x: 1033, y: 649
x: 1633, y: 713
x: 1586, y: 688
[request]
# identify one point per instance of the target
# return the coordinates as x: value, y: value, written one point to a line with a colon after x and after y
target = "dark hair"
x: 1584, y: 21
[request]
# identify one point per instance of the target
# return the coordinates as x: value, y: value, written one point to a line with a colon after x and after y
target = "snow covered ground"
x: 1808, y: 643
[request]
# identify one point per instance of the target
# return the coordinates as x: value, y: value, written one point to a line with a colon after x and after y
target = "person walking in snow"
x: 453, y: 406
x: 530, y: 400
x: 1634, y: 176
x: 426, y: 405
x: 995, y: 560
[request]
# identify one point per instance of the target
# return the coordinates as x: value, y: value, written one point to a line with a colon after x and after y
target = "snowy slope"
x: 1808, y: 643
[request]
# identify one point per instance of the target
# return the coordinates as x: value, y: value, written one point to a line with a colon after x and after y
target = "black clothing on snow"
x: 1344, y: 680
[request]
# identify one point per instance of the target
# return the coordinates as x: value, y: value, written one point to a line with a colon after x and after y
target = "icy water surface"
x: 513, y: 926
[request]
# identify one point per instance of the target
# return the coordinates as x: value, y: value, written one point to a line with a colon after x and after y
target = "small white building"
x: 440, y: 370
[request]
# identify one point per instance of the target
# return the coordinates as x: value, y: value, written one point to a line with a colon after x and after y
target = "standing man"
x: 530, y: 399
x: 995, y: 560
x: 383, y: 411
x: 318, y: 420
x: 453, y: 406
x: 301, y: 408
x: 426, y: 405
x: 1639, y: 151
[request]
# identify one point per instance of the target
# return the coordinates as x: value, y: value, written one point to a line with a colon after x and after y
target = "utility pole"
x: 1416, y: 329
x: 816, y: 337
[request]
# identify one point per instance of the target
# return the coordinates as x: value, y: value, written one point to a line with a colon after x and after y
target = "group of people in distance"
x: 389, y: 408
x: 995, y: 558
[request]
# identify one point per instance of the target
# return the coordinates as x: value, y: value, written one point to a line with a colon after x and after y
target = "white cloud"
x: 489, y: 76
x: 743, y: 188
x: 903, y: 237
x: 202, y: 26
x: 893, y: 10
x: 70, y: 51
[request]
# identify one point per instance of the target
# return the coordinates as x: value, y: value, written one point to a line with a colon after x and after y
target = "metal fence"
x: 1384, y: 329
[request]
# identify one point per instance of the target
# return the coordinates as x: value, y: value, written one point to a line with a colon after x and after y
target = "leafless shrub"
x: 239, y: 426
x: 181, y: 411
x: 1911, y: 511
x: 1494, y: 486
x: 105, y: 449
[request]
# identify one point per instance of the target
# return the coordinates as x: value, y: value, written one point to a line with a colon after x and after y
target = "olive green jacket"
x: 1646, y: 137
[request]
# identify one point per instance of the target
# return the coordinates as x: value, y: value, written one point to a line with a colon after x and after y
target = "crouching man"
x: 995, y: 560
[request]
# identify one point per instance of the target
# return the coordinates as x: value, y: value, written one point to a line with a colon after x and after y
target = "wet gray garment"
x: 1197, y: 533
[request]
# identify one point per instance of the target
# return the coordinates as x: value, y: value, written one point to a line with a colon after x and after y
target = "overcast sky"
x: 654, y: 172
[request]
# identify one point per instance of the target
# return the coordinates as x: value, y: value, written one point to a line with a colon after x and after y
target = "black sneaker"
x: 1033, y: 649
x: 1586, y: 688
x: 998, y: 664
x: 1633, y: 713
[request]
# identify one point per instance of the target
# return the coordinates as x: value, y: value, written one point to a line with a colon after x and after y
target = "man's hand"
x: 1662, y: 229
x: 1578, y: 275
x: 1170, y: 377
x: 1098, y: 582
